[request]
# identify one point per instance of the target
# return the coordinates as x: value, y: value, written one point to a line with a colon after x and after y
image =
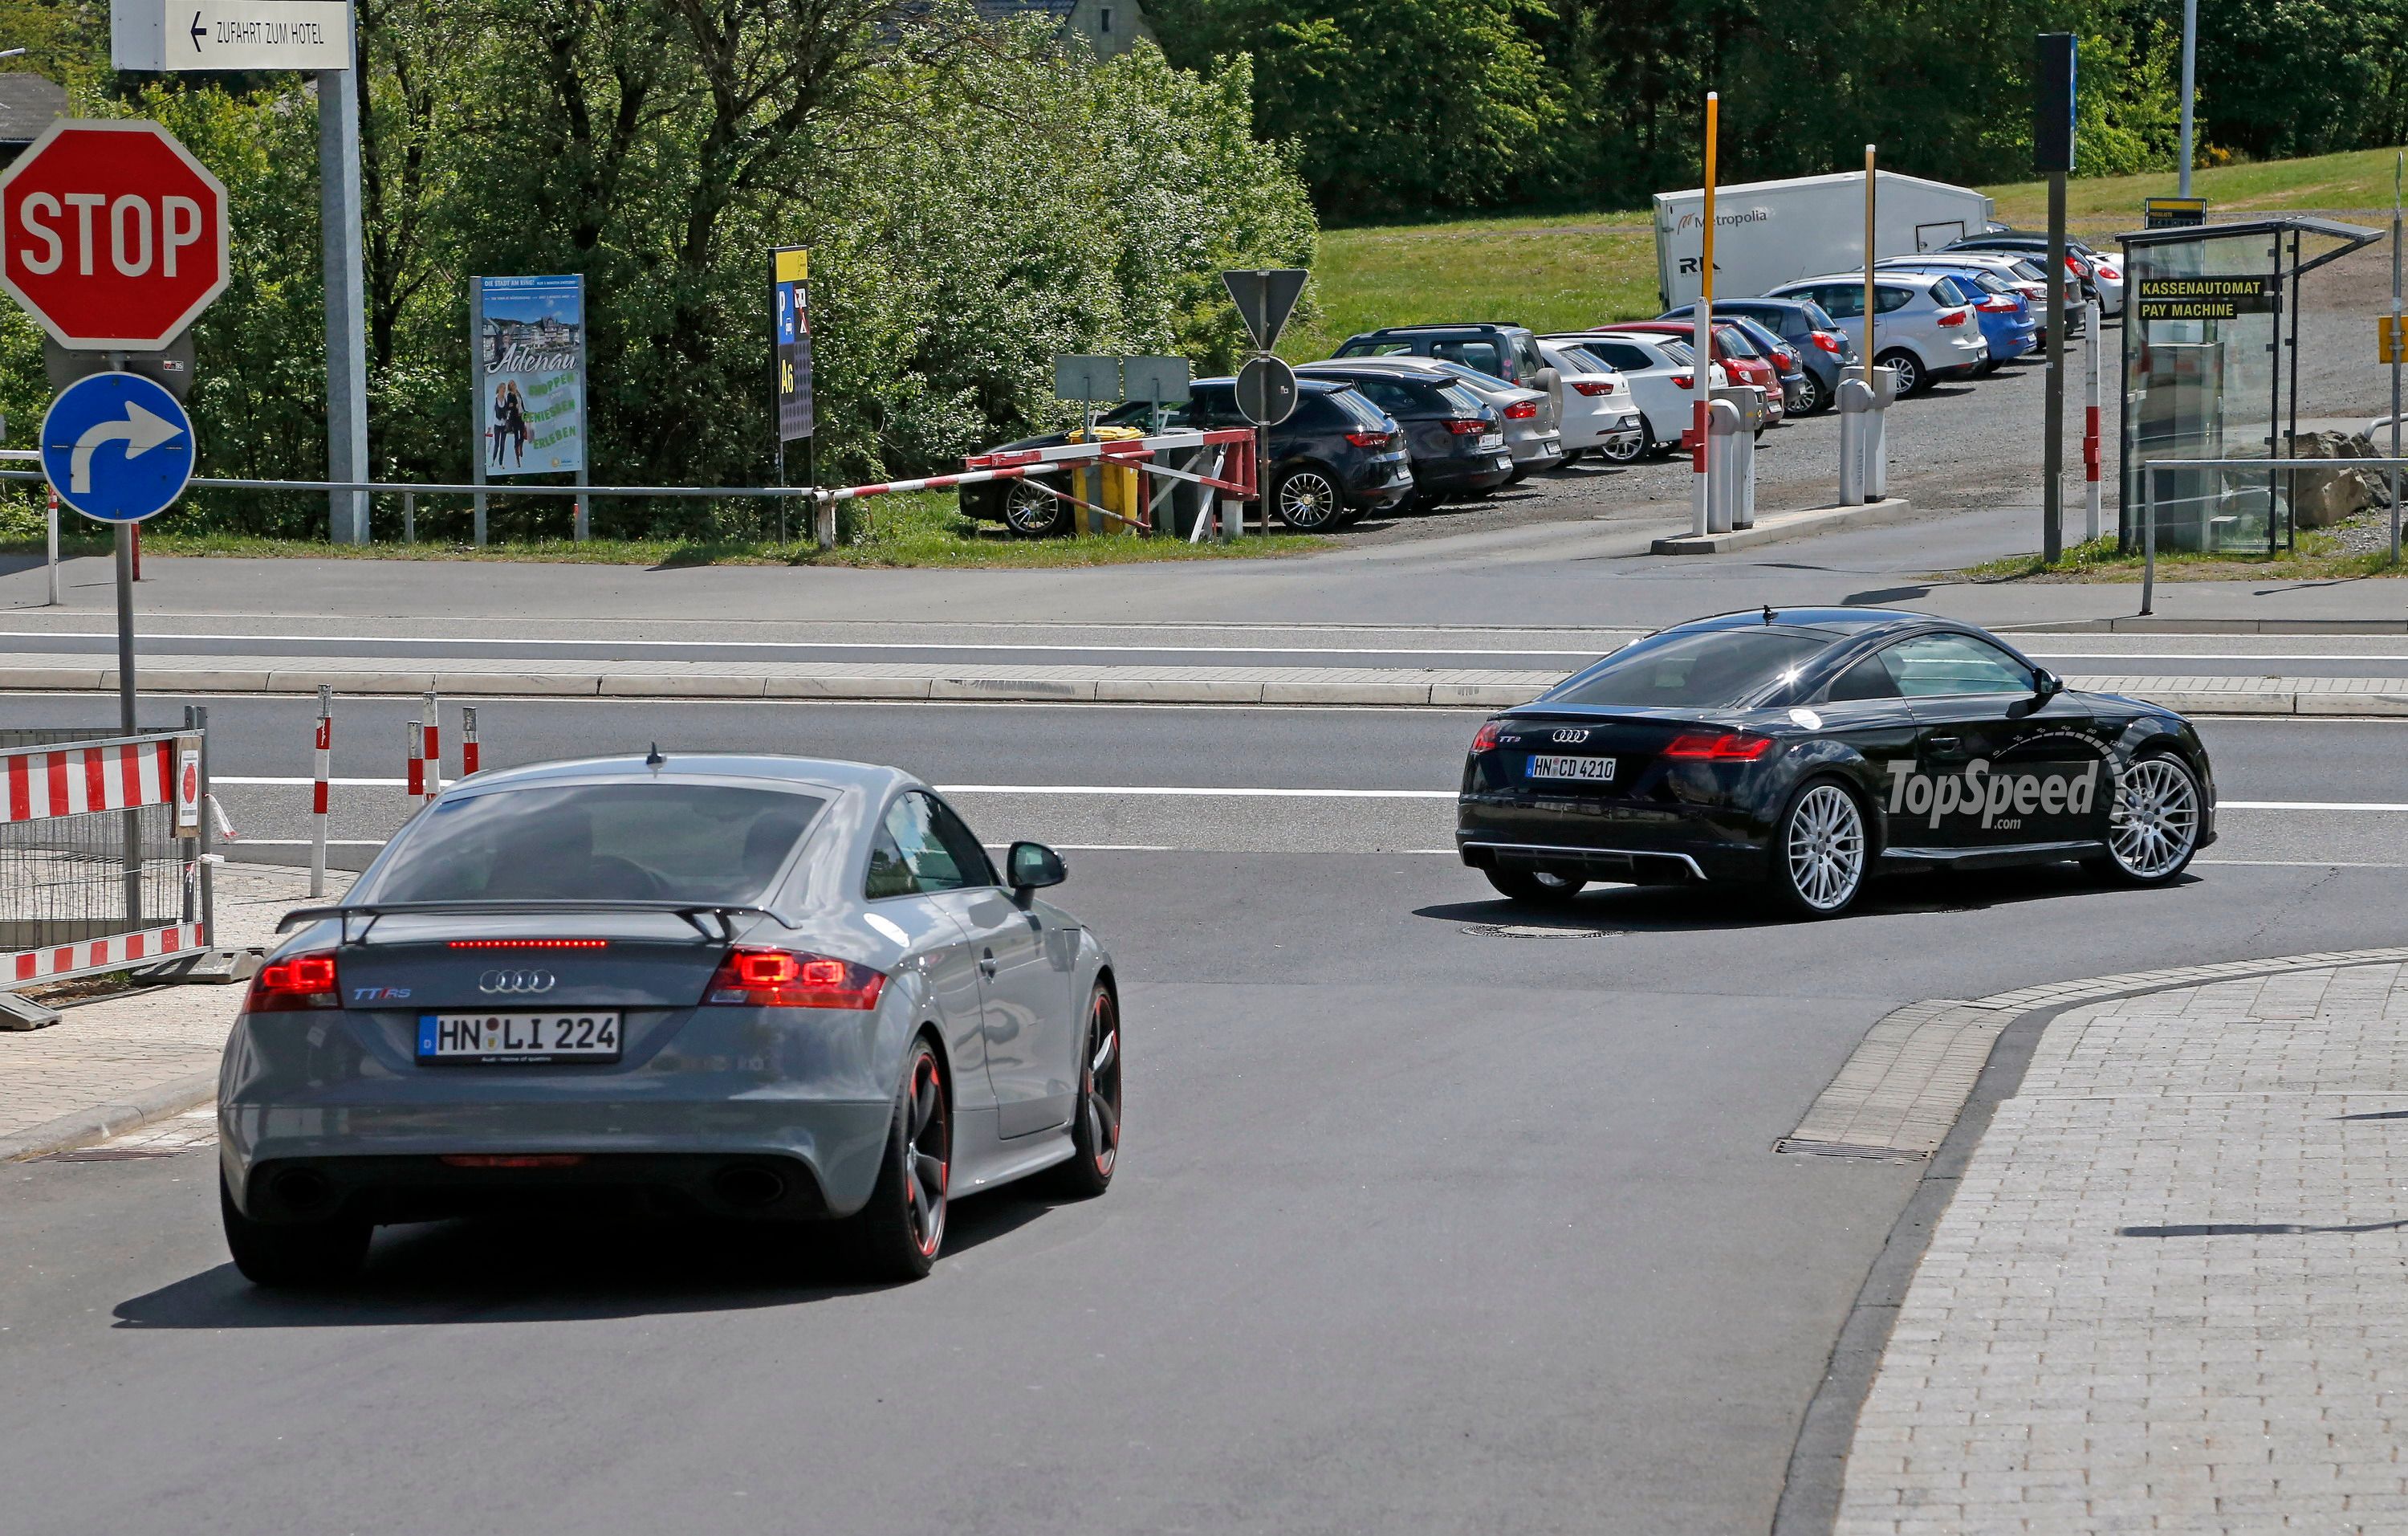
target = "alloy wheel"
x: 1101, y: 1092
x: 1622, y: 450
x: 1826, y: 848
x: 1817, y: 397
x: 1307, y: 500
x: 2154, y: 823
x: 1909, y: 371
x: 927, y: 1155
x: 1029, y: 511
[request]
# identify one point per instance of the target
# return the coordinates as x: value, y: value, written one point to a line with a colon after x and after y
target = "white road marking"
x: 2312, y: 805
x: 835, y: 645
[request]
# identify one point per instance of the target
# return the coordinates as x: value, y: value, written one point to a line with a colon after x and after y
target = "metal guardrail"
x: 2149, y: 468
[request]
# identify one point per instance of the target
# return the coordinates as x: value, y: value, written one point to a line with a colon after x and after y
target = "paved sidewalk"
x: 126, y: 1060
x: 2168, y: 1293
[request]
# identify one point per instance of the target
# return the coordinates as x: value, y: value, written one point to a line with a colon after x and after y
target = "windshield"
x: 659, y: 841
x: 1693, y: 668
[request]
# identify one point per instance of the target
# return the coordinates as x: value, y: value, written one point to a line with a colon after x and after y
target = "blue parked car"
x: 2008, y: 323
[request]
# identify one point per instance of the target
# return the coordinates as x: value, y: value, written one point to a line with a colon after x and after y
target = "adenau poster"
x: 531, y: 379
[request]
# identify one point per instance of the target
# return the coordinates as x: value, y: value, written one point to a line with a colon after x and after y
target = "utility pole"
x: 347, y: 342
x: 2053, y: 153
x: 2190, y: 58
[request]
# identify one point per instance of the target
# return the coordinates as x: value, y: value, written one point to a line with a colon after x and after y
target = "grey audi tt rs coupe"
x: 1802, y: 750
x: 760, y: 989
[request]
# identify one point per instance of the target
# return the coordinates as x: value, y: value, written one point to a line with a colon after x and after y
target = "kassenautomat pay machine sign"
x: 2205, y: 298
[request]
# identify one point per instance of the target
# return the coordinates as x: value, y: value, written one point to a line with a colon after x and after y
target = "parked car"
x: 2099, y: 275
x: 2008, y: 324
x: 1785, y: 358
x: 1510, y: 353
x: 1600, y: 415
x: 1658, y: 372
x: 2016, y: 273
x: 1457, y: 440
x: 1336, y: 458
x: 1736, y: 355
x: 1925, y: 328
x: 1817, y: 339
x: 1528, y: 414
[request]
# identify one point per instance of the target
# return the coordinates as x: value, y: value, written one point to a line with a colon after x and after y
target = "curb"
x: 101, y: 1121
x: 2156, y: 624
x: 1776, y: 526
x: 1811, y: 1488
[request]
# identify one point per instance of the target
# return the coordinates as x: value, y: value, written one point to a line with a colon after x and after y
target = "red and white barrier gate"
x: 75, y: 849
x: 1231, y: 469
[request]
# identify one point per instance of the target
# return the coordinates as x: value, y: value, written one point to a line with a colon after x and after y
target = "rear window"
x: 664, y: 841
x: 1358, y: 409
x: 1698, y: 668
x: 1590, y: 360
x: 1816, y: 315
x: 1486, y: 356
x: 1622, y: 354
x: 1946, y: 291
x: 1461, y: 400
x: 1735, y: 341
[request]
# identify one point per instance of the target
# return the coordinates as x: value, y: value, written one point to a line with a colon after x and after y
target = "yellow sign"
x: 794, y: 266
x: 2386, y: 339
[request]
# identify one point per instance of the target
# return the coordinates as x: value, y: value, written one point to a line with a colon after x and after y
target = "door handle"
x: 986, y: 965
x: 1946, y: 746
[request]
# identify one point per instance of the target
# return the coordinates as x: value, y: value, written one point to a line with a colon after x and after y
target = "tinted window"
x: 1946, y: 290
x: 1678, y: 351
x: 1320, y: 413
x: 1213, y: 406
x: 1987, y: 281
x: 1936, y: 664
x: 1358, y: 410
x: 1845, y: 300
x: 920, y: 847
x: 662, y: 842
x: 1887, y: 299
x: 1586, y: 360
x: 1484, y: 356
x: 1622, y: 354
x: 1712, y: 666
x: 1734, y: 342
x: 1460, y: 400
x: 2030, y: 273
x: 1816, y: 315
x: 1868, y: 678
x: 1526, y: 352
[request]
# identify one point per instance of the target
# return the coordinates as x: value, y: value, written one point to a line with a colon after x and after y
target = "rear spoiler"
x: 720, y: 929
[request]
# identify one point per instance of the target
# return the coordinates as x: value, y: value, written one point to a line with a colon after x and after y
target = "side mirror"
x: 1032, y: 866
x: 2046, y: 684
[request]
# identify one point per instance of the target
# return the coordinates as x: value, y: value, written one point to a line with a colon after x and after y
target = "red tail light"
x: 529, y: 944
x: 1464, y: 427
x: 1368, y: 440
x: 1831, y: 343
x: 1954, y: 317
x: 2109, y: 273
x: 777, y: 978
x: 1997, y: 304
x: 296, y: 983
x: 1520, y: 410
x: 1685, y: 381
x: 1719, y: 746
x: 1594, y: 386
x: 1486, y: 740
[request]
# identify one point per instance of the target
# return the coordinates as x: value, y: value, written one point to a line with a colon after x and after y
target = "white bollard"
x: 1725, y: 430
x: 434, y: 746
x: 1877, y: 434
x: 1856, y: 426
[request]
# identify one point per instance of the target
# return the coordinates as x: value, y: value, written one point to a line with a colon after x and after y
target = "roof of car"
x: 1321, y: 386
x: 1849, y: 277
x: 823, y: 773
x: 1836, y: 620
x: 1435, y: 329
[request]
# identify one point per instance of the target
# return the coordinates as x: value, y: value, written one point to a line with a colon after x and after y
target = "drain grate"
x: 1524, y: 930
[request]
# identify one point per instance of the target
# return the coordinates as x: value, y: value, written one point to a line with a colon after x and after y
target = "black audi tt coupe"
x: 1805, y: 750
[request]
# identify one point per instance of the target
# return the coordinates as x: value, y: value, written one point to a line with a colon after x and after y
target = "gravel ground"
x: 1963, y: 445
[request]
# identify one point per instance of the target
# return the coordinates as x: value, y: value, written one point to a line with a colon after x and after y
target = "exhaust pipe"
x: 303, y: 1189
x: 749, y: 1186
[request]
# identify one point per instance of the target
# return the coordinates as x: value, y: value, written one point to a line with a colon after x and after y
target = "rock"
x: 2322, y: 497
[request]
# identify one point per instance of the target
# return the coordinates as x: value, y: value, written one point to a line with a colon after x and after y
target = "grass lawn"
x: 2318, y: 556
x: 1558, y: 271
x: 924, y: 530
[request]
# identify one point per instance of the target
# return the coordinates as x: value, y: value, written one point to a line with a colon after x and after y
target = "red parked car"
x: 1742, y: 363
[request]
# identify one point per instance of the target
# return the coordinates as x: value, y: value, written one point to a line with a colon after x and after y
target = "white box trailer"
x: 1770, y: 231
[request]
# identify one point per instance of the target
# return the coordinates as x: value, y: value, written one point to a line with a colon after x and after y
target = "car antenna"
x: 1768, y: 614
x: 653, y: 759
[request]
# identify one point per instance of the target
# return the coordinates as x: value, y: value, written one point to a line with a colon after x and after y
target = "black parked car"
x: 1815, y: 337
x: 1334, y: 458
x: 1807, y: 749
x: 1456, y: 441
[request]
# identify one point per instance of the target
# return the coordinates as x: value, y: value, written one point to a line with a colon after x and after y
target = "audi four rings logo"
x: 1571, y: 736
x: 525, y: 983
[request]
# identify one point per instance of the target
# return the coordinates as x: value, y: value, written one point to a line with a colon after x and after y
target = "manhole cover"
x: 1523, y: 930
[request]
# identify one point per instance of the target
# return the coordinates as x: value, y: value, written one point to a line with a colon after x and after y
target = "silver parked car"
x: 769, y: 989
x: 1925, y: 327
x: 1529, y: 415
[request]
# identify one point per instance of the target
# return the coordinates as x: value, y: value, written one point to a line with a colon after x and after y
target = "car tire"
x: 281, y: 1255
x: 1912, y: 376
x: 1307, y: 499
x: 1518, y: 475
x: 1095, y: 1114
x: 2153, y: 826
x: 1817, y: 400
x: 1821, y: 850
x: 1624, y: 449
x: 1535, y: 887
x: 898, y: 1235
x: 1030, y: 513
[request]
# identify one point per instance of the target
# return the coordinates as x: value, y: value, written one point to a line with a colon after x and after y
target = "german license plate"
x: 505, y: 1038
x: 1595, y: 769
x: 1504, y: 461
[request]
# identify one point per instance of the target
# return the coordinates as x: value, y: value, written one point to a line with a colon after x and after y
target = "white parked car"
x: 1657, y: 372
x: 1599, y: 411
x: 2015, y: 272
x: 1924, y: 326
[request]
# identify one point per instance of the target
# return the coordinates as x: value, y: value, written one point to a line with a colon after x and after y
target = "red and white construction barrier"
x: 467, y: 742
x: 2090, y: 418
x: 1234, y: 467
x: 416, y: 748
x: 434, y: 747
x: 74, y: 780
x: 124, y: 949
x: 322, y: 770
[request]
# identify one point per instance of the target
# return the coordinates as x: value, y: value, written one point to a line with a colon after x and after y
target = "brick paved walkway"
x: 127, y: 1051
x: 2171, y: 1292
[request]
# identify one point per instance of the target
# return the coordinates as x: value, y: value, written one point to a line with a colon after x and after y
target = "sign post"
x: 1701, y: 373
x: 2052, y: 154
x: 790, y: 296
x: 1265, y: 297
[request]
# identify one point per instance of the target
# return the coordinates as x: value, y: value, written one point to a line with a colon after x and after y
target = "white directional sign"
x: 187, y: 35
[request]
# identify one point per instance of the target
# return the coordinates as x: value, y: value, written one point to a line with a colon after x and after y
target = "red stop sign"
x: 111, y: 234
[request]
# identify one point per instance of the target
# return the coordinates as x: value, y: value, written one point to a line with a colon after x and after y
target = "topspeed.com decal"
x: 2001, y: 798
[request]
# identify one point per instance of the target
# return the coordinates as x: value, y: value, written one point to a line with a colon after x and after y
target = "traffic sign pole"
x: 346, y: 342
